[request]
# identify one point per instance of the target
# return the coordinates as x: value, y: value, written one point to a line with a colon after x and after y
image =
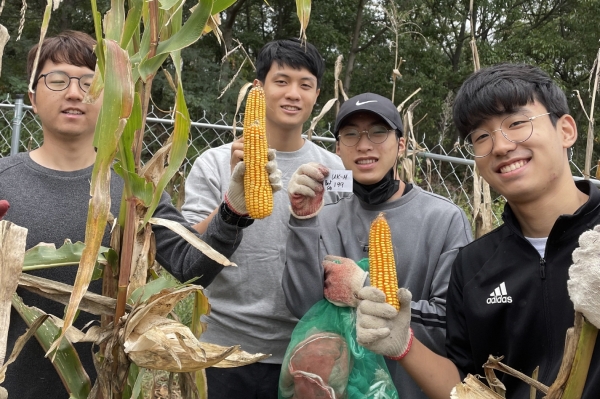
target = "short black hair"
x: 290, y: 52
x: 503, y: 88
x: 69, y: 47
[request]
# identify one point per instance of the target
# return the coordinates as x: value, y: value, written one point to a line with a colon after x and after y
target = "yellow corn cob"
x: 382, y: 266
x: 257, y: 188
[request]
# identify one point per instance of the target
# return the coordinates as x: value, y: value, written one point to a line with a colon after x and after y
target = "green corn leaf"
x: 98, y: 31
x: 114, y: 20
x: 189, y: 33
x: 220, y: 5
x: 168, y: 4
x: 66, y: 362
x: 153, y: 287
x: 581, y: 363
x: 132, y: 22
x: 178, y: 151
x: 47, y: 256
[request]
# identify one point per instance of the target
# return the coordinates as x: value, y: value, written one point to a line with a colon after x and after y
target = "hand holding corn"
x: 306, y: 190
x: 235, y: 196
x: 584, y: 276
x: 380, y: 327
x: 343, y: 280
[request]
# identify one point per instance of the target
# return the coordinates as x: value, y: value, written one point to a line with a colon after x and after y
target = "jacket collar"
x: 585, y: 218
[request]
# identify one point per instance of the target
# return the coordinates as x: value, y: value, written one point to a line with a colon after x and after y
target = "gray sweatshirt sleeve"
x: 303, y: 278
x: 206, y: 184
x: 183, y: 260
x: 429, y: 315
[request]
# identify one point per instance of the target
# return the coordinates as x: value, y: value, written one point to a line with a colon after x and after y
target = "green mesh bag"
x: 323, y: 359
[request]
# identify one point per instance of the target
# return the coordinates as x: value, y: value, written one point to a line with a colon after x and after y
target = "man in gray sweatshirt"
x: 247, y: 303
x: 427, y: 230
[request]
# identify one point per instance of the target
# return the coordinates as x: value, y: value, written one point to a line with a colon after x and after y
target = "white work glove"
x: 306, y: 190
x: 584, y: 276
x: 379, y: 327
x: 343, y: 280
x: 235, y: 197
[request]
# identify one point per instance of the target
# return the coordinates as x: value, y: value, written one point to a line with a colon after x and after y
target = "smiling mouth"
x: 366, y: 161
x: 73, y: 112
x: 290, y: 108
x: 513, y: 166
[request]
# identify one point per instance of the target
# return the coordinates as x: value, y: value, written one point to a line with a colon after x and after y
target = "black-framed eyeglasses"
x: 515, y: 128
x: 59, y: 81
x: 350, y: 136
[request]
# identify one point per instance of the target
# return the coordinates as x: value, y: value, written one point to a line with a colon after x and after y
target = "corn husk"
x: 153, y: 341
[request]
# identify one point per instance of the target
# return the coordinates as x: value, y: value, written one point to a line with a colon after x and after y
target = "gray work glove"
x: 306, y: 190
x: 235, y: 198
x: 584, y: 276
x: 343, y: 280
x: 379, y: 327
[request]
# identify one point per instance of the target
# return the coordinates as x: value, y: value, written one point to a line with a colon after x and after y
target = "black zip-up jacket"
x: 503, y: 299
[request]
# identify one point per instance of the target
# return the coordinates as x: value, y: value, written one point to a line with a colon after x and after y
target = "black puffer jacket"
x: 504, y: 299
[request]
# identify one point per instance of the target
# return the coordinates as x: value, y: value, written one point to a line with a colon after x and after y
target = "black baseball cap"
x: 373, y: 103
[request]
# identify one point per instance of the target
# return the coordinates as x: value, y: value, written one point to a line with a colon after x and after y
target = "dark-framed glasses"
x: 515, y: 128
x: 59, y: 81
x: 350, y: 136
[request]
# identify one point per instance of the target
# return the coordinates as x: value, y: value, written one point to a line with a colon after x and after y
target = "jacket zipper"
x: 543, y: 268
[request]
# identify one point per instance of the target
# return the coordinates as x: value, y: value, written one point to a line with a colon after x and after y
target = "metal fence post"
x: 16, y: 130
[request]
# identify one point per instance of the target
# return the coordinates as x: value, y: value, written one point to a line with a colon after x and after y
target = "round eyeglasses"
x: 515, y: 128
x: 350, y: 136
x: 59, y: 81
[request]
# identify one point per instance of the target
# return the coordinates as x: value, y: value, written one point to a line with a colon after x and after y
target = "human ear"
x: 32, y: 101
x: 257, y: 82
x: 337, y: 147
x: 568, y: 129
x: 401, y: 146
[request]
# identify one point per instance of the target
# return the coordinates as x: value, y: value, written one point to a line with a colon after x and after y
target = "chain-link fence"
x: 444, y: 171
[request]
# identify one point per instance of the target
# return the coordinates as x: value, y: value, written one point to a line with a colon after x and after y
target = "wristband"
x: 232, y: 218
x: 401, y: 356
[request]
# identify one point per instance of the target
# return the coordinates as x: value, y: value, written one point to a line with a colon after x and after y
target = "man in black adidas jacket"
x: 508, y: 290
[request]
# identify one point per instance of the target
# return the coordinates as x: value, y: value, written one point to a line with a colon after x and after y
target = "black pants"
x: 254, y: 381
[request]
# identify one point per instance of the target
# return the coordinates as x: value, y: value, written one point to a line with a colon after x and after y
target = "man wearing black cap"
x: 427, y: 230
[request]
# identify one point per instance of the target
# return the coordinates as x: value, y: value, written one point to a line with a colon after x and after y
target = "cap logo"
x: 358, y: 103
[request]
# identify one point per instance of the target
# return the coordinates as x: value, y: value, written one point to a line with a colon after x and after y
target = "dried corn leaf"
x: 193, y: 239
x: 169, y: 345
x: 236, y: 359
x: 60, y: 292
x: 317, y: 118
x: 20, y: 343
x: 4, y: 36
x: 12, y: 252
x: 472, y: 388
x: 142, y: 258
x: 160, y: 304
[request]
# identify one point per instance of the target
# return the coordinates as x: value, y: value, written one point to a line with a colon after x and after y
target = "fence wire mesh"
x: 445, y: 171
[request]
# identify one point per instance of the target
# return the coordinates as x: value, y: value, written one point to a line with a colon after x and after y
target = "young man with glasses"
x: 427, y: 230
x: 508, y: 292
x: 49, y: 192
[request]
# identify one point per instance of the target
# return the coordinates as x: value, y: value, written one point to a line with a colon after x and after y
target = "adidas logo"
x: 499, y: 295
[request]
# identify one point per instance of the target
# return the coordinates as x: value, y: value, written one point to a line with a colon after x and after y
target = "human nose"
x: 73, y: 90
x: 500, y: 143
x: 294, y: 92
x: 363, y: 141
